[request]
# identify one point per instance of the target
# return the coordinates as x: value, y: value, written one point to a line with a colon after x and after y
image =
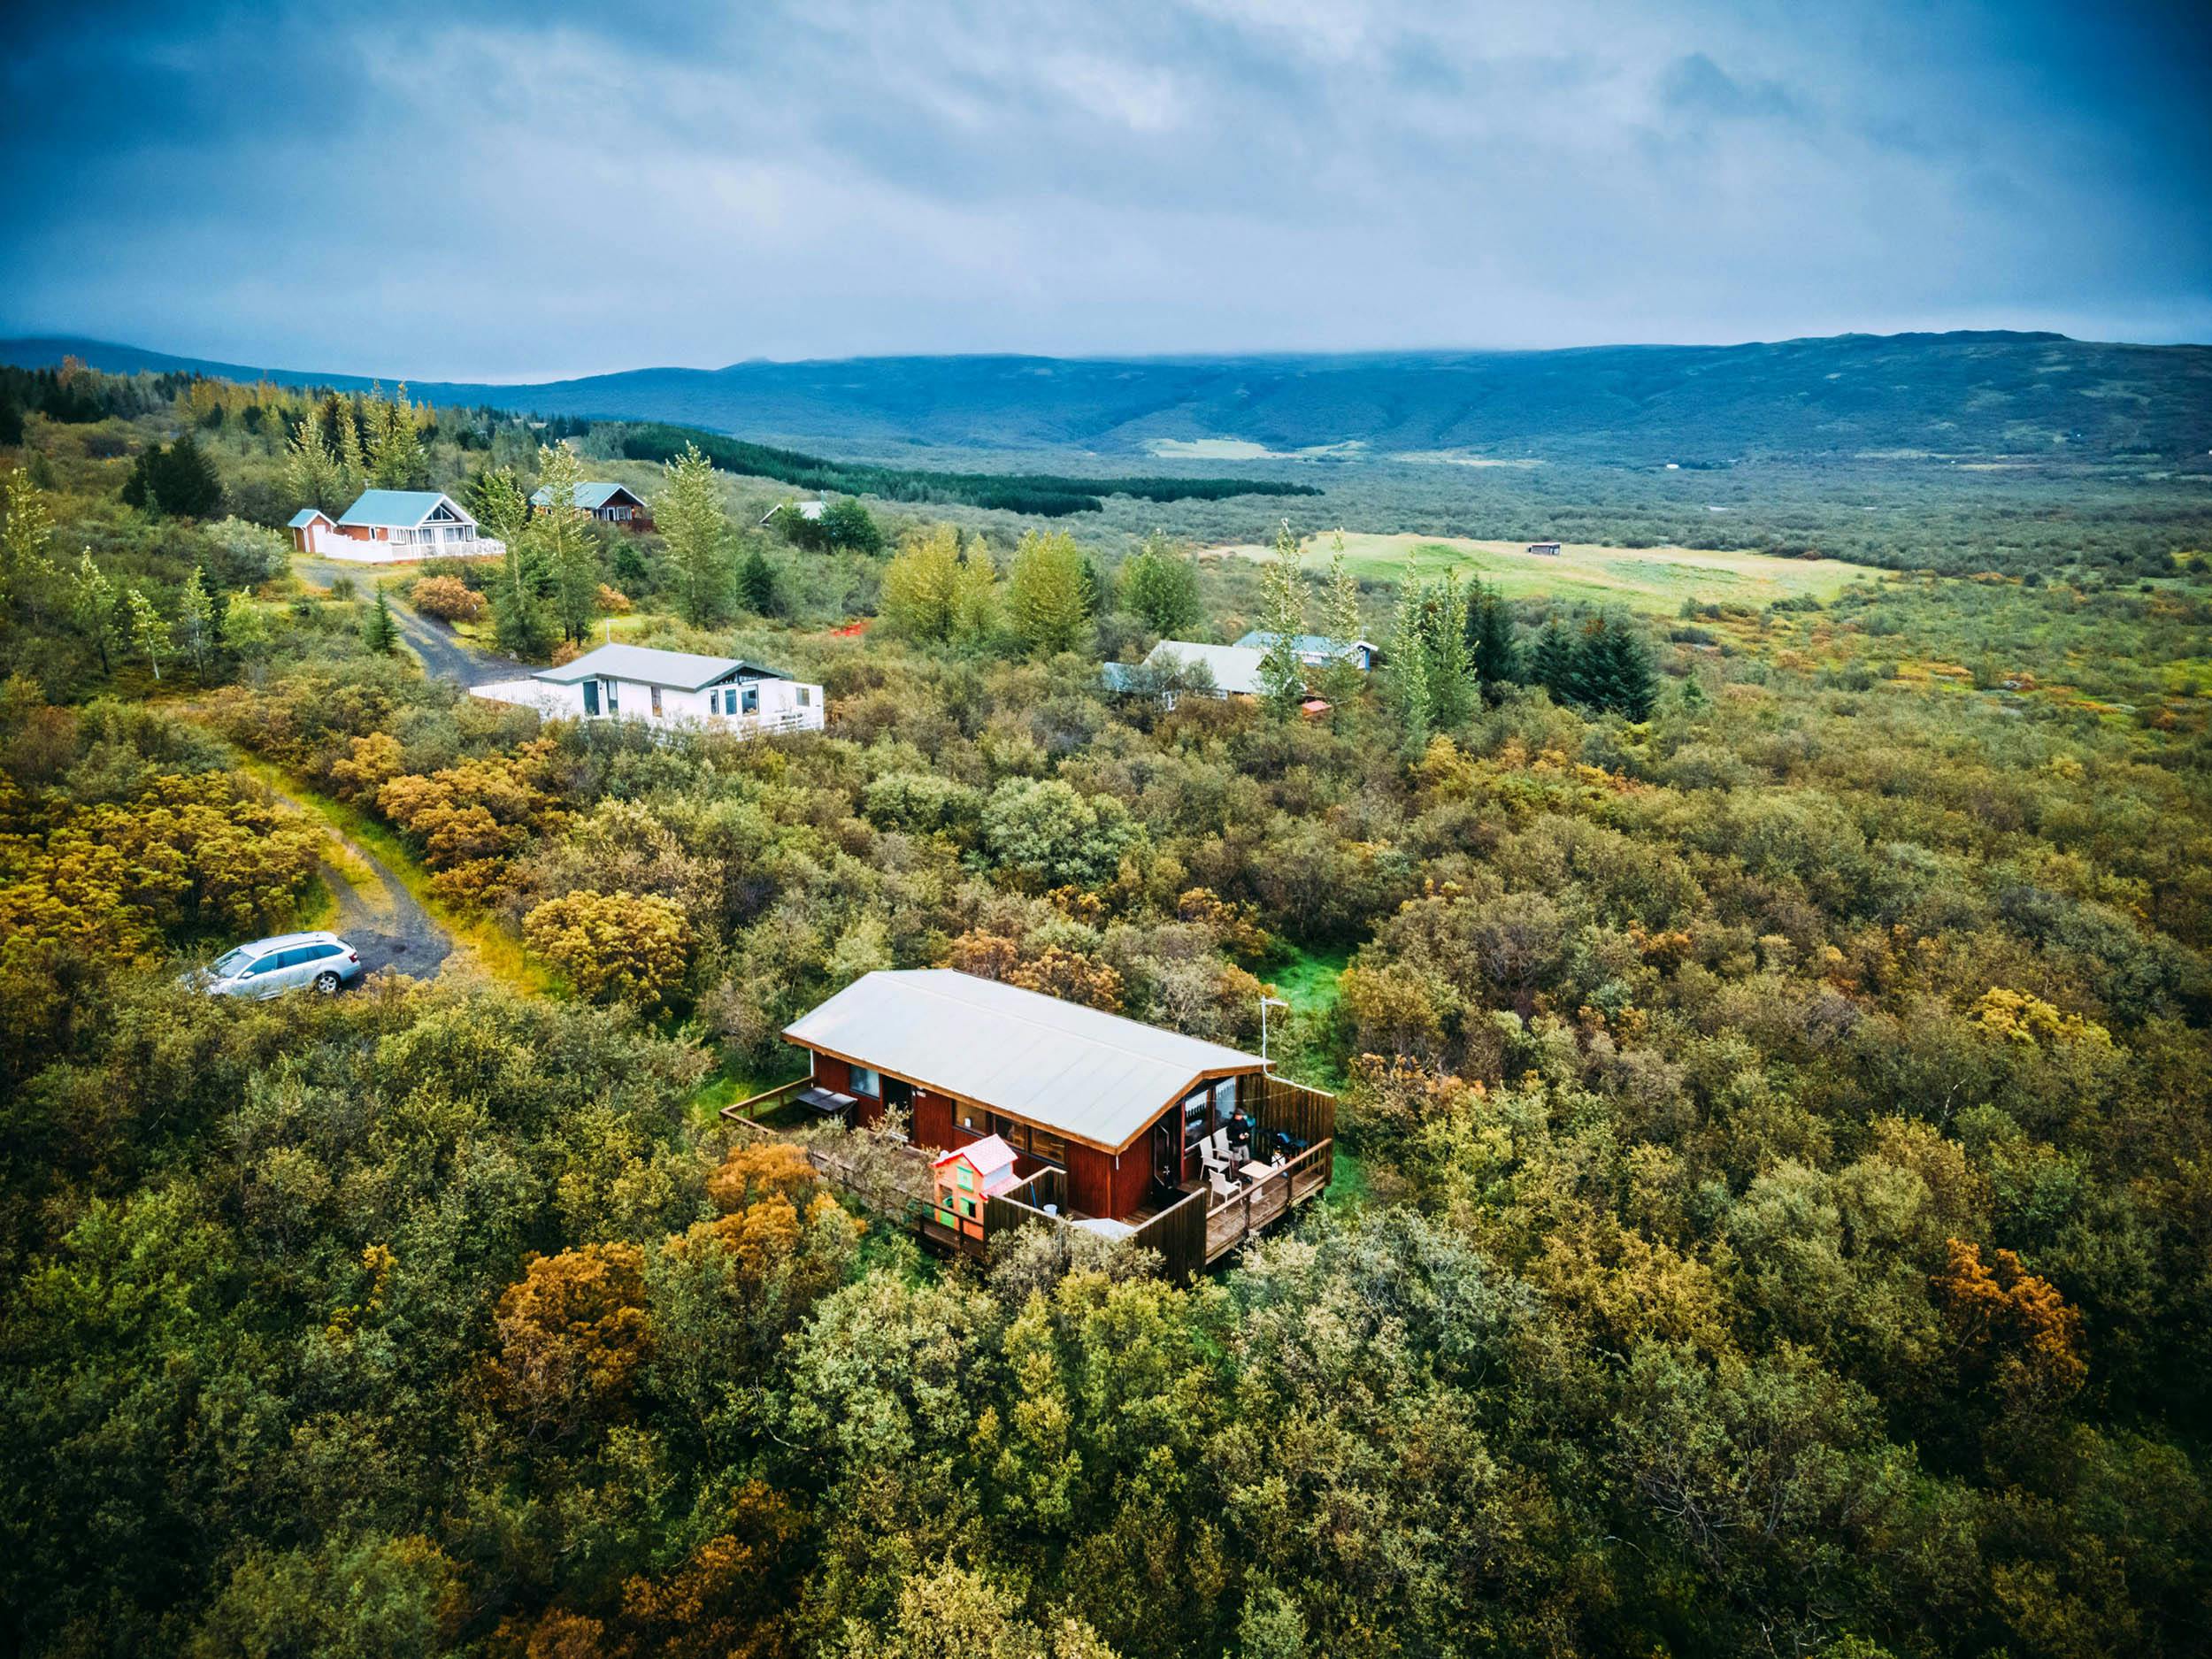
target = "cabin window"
x: 806, y: 696
x: 866, y: 1082
x: 656, y: 700
x: 614, y: 702
x: 970, y: 1120
x: 1045, y: 1144
x: 752, y: 699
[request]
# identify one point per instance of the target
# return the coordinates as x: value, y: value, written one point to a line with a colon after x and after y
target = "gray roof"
x: 1236, y: 668
x: 588, y: 497
x: 679, y: 671
x: 399, y: 509
x: 1098, y: 1077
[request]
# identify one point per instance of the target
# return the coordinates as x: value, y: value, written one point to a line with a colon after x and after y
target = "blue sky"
x: 499, y: 191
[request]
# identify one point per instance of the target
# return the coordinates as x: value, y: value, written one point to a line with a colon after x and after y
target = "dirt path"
x: 380, y: 918
x: 444, y: 654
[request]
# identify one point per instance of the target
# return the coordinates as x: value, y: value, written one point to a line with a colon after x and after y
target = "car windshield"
x: 232, y: 961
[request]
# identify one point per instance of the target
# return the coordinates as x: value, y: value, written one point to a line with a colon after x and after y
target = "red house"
x: 1129, y: 1113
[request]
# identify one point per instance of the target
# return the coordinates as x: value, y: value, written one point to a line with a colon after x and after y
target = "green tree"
x: 1451, y: 682
x: 1159, y: 585
x: 1044, y: 592
x: 311, y: 469
x: 1043, y: 829
x: 922, y: 585
x: 196, y: 619
x: 561, y: 537
x: 395, y: 458
x: 1490, y: 645
x: 849, y: 526
x: 345, y: 419
x: 379, y: 632
x: 246, y: 629
x: 1613, y: 669
x: 92, y: 608
x: 1553, y: 663
x: 756, y: 581
x: 1283, y: 616
x: 179, y: 481
x: 1409, y: 666
x: 693, y: 522
x: 148, y: 628
x: 24, y: 567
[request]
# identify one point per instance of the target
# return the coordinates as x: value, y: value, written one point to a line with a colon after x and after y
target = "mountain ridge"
x: 1967, y: 393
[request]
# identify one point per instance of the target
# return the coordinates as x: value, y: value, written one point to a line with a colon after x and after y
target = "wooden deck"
x: 1189, y: 1234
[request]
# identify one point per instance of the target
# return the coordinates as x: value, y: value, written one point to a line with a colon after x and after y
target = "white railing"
x: 336, y: 545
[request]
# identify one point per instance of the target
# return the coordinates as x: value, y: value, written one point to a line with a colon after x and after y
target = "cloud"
x: 508, y: 190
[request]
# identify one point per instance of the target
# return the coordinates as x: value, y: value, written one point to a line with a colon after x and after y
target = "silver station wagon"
x: 269, y: 966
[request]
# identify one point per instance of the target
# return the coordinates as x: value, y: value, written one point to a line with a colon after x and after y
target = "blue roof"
x: 588, y: 497
x: 306, y: 516
x: 396, y: 508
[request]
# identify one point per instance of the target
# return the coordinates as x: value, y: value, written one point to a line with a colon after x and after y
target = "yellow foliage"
x: 2031, y: 1021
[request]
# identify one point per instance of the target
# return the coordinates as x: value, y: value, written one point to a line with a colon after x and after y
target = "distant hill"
x: 1970, y: 394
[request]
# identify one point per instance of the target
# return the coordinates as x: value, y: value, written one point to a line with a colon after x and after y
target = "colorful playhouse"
x: 968, y: 1175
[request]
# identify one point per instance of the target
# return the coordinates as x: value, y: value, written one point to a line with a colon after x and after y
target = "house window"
x: 656, y: 700
x: 752, y: 699
x: 866, y: 1082
x: 614, y: 704
x: 806, y: 696
x: 729, y: 700
x: 1051, y: 1147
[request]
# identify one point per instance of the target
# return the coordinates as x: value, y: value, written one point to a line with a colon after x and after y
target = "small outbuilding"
x: 968, y: 1175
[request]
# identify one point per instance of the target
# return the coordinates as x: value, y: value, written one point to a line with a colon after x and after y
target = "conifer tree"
x: 1409, y: 668
x: 1343, y: 680
x: 756, y: 581
x: 345, y: 416
x: 1283, y: 616
x: 559, y: 530
x: 1450, y: 679
x: 311, y: 468
x: 379, y: 632
x: 1496, y: 658
x: 692, y: 520
x: 1552, y: 663
x: 396, y: 459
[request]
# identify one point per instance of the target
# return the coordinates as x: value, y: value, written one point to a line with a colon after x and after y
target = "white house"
x: 810, y: 510
x: 1235, y: 669
x: 1316, y: 649
x: 668, y: 689
x: 393, y: 526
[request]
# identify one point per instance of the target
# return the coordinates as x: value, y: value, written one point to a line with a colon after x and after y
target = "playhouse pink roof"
x: 987, y: 1158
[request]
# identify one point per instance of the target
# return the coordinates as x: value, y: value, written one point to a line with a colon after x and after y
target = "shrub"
x: 448, y: 598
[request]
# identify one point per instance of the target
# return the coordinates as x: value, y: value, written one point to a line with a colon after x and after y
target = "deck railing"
x: 1230, y: 1223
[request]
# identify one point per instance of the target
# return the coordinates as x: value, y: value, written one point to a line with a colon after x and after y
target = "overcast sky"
x: 489, y: 191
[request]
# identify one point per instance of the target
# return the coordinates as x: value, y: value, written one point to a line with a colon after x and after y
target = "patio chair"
x: 1217, y: 1143
x: 1220, y: 1184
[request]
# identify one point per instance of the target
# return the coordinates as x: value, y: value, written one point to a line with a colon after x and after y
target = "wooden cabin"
x: 1115, y: 1110
x: 608, y: 503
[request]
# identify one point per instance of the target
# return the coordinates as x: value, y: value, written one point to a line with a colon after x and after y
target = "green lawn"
x: 1655, y: 580
x: 1308, y: 983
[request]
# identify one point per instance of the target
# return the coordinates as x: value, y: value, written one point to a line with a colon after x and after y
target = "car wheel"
x: 326, y: 984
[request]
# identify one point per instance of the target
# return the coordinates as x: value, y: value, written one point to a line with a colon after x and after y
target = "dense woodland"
x: 1775, y: 1047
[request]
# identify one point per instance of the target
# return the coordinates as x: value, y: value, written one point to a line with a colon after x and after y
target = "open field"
x: 1654, y: 579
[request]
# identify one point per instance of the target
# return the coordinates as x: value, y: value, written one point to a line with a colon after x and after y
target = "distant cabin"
x: 1315, y: 650
x: 667, y: 689
x: 1545, y: 550
x: 610, y: 504
x: 391, y: 527
x: 810, y: 510
x: 1235, y: 669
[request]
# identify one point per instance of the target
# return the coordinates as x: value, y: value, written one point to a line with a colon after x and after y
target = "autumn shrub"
x: 613, y: 947
x: 448, y: 598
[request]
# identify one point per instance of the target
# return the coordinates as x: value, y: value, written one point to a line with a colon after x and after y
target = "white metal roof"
x: 1097, y: 1076
x: 680, y: 670
x: 1235, y: 668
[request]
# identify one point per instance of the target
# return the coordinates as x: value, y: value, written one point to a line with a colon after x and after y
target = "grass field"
x: 1654, y: 580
